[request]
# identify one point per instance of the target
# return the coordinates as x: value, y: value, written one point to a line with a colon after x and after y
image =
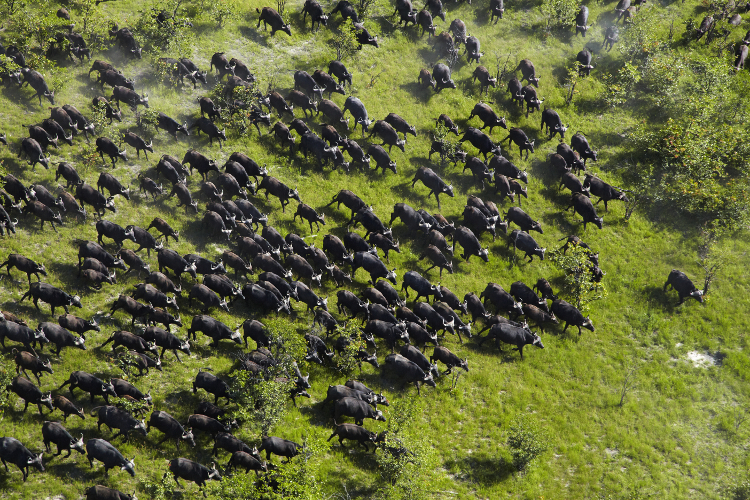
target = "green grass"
x: 675, y: 435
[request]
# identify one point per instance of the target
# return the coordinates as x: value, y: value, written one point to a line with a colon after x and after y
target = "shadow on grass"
x: 482, y: 469
x: 256, y: 34
x: 423, y: 94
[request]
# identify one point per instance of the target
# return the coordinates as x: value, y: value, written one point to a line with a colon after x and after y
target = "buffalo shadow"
x: 417, y: 90
x: 254, y: 33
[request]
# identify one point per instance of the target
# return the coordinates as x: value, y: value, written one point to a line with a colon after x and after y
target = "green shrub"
x: 344, y: 41
x: 7, y: 372
x: 739, y: 491
x: 297, y: 478
x: 221, y: 12
x: 174, y: 35
x: 558, y: 14
x: 699, y: 169
x: 161, y: 489
x: 526, y: 441
x: 263, y: 402
x: 346, y: 361
x: 578, y: 281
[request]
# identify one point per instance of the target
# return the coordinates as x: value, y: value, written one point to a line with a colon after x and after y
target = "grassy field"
x: 680, y: 432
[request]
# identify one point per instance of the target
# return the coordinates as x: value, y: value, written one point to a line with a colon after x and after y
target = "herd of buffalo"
x: 254, y: 247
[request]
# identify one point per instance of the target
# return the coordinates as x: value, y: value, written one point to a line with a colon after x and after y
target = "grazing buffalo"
x: 30, y: 393
x: 442, y: 76
x: 514, y: 334
x: 470, y: 243
x: 685, y: 288
x: 100, y: 492
x: 35, y: 80
x: 582, y: 17
x: 212, y: 328
x: 313, y: 8
x: 24, y: 264
x: 278, y: 446
x: 551, y: 120
x: 54, y: 432
x: 449, y: 359
x: 212, y: 384
x: 357, y: 409
x: 524, y: 242
x: 488, y: 116
x: 481, y: 141
x: 583, y: 58
x: 580, y: 144
x: 270, y: 16
x: 280, y: 190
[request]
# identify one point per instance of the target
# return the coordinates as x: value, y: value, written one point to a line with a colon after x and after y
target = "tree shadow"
x: 481, y: 469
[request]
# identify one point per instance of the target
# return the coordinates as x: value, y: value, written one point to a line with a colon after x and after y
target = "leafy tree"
x: 7, y: 372
x: 404, y: 458
x: 526, y: 441
x: 297, y: 478
x: 577, y: 277
x: 173, y: 35
x: 344, y: 42
x: 346, y: 361
x: 263, y: 402
x: 558, y: 14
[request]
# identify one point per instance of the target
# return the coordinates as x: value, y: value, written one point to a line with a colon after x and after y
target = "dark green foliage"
x: 7, y: 372
x: 526, y: 441
x: 578, y: 280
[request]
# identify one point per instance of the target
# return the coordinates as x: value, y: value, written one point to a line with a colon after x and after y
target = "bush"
x: 526, y: 442
x: 263, y: 402
x: 6, y: 377
x: 162, y: 489
x: 174, y: 35
x: 219, y: 11
x: 579, y: 285
x: 344, y: 42
x: 739, y: 491
x: 346, y: 361
x: 404, y: 459
x: 297, y: 478
x: 558, y: 14
x: 699, y: 169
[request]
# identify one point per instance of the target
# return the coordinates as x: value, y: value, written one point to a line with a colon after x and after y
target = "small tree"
x: 578, y: 278
x: 263, y: 402
x: 344, y: 42
x: 7, y: 372
x: 364, y: 7
x: 280, y: 7
x: 709, y: 258
x: 526, y: 441
x: 11, y: 6
x: 346, y: 360
x: 449, y: 147
x: 146, y: 120
x: 558, y: 14
x: 627, y: 384
x: 297, y: 478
